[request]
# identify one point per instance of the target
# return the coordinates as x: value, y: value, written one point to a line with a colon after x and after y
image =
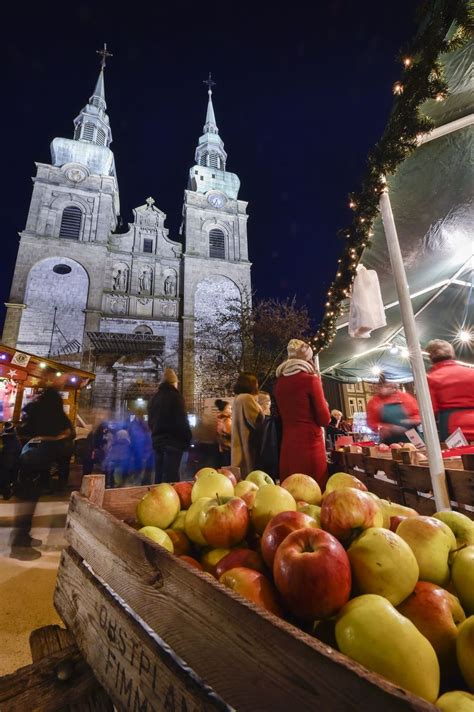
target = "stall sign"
x: 14, y: 374
x: 456, y: 439
x: 20, y: 359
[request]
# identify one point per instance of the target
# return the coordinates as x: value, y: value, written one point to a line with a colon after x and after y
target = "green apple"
x: 312, y: 510
x: 383, y: 563
x: 462, y: 576
x: 432, y: 542
x: 303, y: 488
x: 159, y: 536
x: 342, y: 479
x: 372, y: 632
x: 461, y: 526
x: 194, y: 519
x: 465, y: 651
x: 212, y: 484
x: 178, y: 523
x: 456, y: 701
x: 159, y: 507
x: 270, y: 500
x: 260, y: 478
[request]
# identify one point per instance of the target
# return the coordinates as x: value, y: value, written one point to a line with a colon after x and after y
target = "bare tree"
x: 247, y: 334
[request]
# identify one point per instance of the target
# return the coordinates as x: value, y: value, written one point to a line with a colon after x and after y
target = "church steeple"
x: 210, y: 149
x: 92, y: 125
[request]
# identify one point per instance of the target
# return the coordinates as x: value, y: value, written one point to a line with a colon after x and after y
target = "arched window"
x: 143, y: 329
x: 71, y: 223
x: 217, y: 244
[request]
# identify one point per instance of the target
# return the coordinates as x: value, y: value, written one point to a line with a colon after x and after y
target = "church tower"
x: 215, y: 262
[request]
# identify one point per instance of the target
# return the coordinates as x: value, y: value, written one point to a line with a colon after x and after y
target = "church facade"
x: 124, y: 304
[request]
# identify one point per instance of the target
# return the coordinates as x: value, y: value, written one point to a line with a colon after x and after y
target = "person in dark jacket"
x: 170, y: 431
x: 10, y: 448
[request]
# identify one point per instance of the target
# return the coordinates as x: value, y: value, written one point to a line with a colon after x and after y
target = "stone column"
x: 12, y: 323
x: 187, y: 362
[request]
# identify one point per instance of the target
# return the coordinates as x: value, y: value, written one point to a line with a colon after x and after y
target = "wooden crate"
x: 160, y: 635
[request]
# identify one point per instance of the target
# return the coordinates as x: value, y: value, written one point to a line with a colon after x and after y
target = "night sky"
x: 303, y: 92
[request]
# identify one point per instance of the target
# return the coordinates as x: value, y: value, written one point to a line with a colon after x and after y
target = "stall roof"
x: 111, y: 342
x: 39, y: 371
x: 431, y: 195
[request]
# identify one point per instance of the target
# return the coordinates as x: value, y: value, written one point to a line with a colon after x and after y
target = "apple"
x: 270, y: 500
x: 178, y: 523
x: 211, y: 484
x: 303, y: 487
x: 462, y: 576
x: 342, y: 479
x: 395, y: 446
x: 230, y: 475
x: 456, y: 701
x: 432, y: 542
x: 312, y: 510
x: 312, y: 572
x: 240, y: 557
x: 192, y: 562
x: 247, y: 490
x: 211, y: 558
x: 383, y: 563
x: 465, y: 651
x: 225, y: 522
x: 346, y: 512
x: 158, y: 536
x: 192, y: 522
x: 159, y: 507
x: 260, y: 478
x: 372, y: 632
x: 184, y: 493
x: 461, y: 526
x: 392, y: 509
x: 254, y: 586
x: 278, y: 529
x: 181, y: 543
x: 395, y: 521
x: 437, y: 614
x: 205, y: 471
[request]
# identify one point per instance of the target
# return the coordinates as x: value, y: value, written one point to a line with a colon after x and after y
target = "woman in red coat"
x: 452, y: 391
x: 304, y: 412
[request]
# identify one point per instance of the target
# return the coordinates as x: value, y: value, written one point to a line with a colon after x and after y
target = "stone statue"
x: 144, y: 280
x: 170, y: 285
x: 120, y: 280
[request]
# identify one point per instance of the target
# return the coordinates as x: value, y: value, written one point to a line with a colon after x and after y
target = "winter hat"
x: 169, y: 376
x: 299, y: 349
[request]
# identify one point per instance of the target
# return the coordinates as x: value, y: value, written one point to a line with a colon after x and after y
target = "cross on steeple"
x: 150, y: 202
x: 210, y: 83
x: 104, y: 53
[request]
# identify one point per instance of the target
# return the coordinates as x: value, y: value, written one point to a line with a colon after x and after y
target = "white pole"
x: 435, y: 459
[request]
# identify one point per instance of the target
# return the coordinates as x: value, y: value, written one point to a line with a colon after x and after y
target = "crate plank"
x: 372, y: 465
x: 385, y: 490
x: 415, y: 477
x: 137, y: 668
x: 461, y: 486
x: 423, y: 505
x: 252, y: 659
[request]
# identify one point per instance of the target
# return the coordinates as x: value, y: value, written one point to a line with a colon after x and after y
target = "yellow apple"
x: 194, y: 519
x: 312, y: 510
x: 456, y: 701
x: 461, y: 526
x: 178, y: 523
x: 247, y: 490
x: 205, y: 471
x: 159, y: 536
x: 462, y: 576
x: 465, y: 651
x: 432, y: 542
x: 372, y: 632
x: 260, y: 478
x: 211, y: 558
x: 212, y: 484
x: 159, y: 507
x: 342, y: 479
x: 270, y: 500
x: 303, y: 487
x: 383, y: 563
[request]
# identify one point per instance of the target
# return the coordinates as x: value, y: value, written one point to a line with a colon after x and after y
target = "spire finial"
x: 210, y: 83
x: 104, y: 53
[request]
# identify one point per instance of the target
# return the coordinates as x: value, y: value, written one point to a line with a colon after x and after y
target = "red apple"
x: 181, y: 543
x: 192, y: 562
x: 437, y: 615
x: 247, y: 491
x: 225, y: 522
x: 254, y: 586
x: 184, y: 493
x: 312, y: 572
x: 230, y: 475
x: 346, y: 512
x: 240, y: 557
x: 395, y: 521
x: 278, y: 529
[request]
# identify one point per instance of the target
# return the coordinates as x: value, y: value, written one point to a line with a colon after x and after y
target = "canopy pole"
x: 435, y: 459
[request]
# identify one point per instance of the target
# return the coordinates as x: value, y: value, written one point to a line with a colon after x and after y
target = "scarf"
x: 294, y: 365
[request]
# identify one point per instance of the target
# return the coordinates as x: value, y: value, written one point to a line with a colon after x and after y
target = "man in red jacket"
x: 391, y: 413
x: 452, y: 390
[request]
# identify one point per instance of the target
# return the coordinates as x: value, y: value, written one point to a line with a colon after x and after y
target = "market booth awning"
x: 23, y: 374
x: 431, y: 195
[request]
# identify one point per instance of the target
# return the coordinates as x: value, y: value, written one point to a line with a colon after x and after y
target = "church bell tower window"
x: 217, y: 244
x: 71, y: 221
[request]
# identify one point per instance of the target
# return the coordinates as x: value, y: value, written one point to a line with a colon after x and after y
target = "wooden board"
x: 461, y: 486
x: 137, y: 668
x: 385, y: 490
x: 253, y: 660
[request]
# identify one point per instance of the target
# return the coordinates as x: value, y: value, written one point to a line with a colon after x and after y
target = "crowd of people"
x: 280, y: 433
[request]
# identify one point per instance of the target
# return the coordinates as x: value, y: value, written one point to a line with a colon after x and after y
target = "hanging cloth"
x: 366, y: 312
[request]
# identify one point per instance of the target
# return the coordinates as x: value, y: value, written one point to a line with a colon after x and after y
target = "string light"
x: 465, y: 336
x: 42, y: 364
x: 352, y: 205
x: 58, y: 373
x: 376, y: 370
x: 394, y: 350
x: 398, y: 88
x: 405, y: 353
x: 407, y: 62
